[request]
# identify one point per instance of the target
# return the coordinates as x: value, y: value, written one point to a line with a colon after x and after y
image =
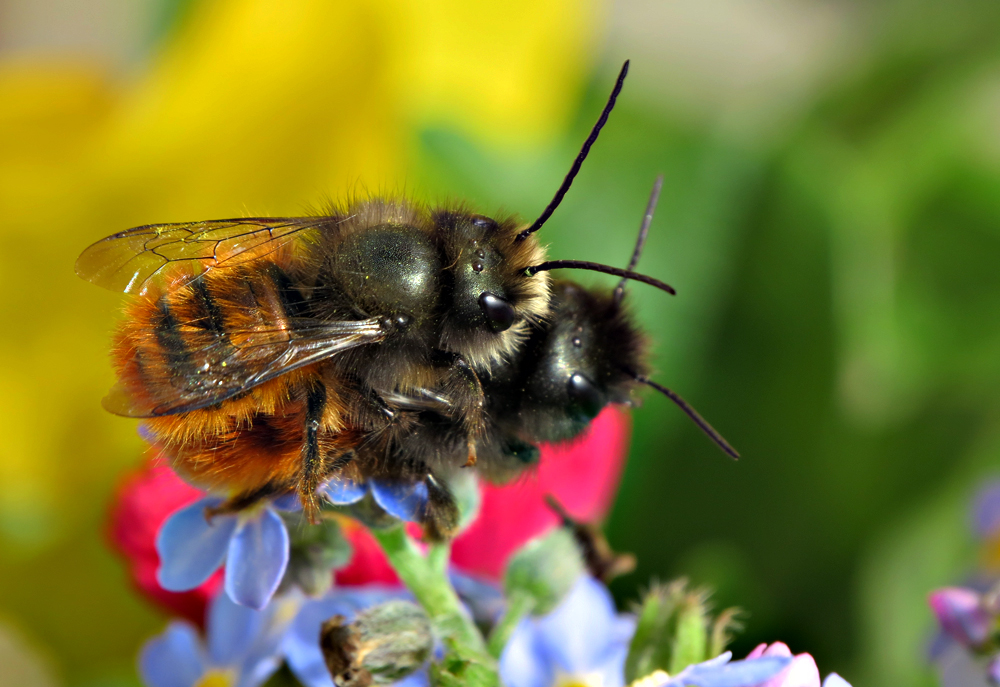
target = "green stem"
x: 519, y: 605
x: 438, y: 556
x: 426, y: 579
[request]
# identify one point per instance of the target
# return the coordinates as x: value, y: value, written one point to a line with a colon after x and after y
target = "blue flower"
x: 404, y: 500
x: 253, y: 544
x: 584, y: 641
x: 301, y: 644
x: 242, y: 647
x: 720, y: 672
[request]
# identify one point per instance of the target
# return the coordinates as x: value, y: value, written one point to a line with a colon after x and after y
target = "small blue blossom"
x: 242, y: 647
x: 986, y: 510
x: 720, y: 672
x: 253, y: 544
x: 301, y: 643
x: 404, y: 500
x: 584, y: 641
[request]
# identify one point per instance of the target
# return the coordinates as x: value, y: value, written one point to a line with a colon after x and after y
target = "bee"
x: 586, y: 354
x: 262, y: 353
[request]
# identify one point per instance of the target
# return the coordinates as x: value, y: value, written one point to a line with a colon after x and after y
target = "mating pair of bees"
x: 383, y: 340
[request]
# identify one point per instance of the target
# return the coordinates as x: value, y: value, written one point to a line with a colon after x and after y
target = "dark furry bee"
x: 263, y: 352
x: 586, y: 354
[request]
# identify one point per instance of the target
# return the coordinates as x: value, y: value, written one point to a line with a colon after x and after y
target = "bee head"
x: 490, y: 299
x: 585, y: 357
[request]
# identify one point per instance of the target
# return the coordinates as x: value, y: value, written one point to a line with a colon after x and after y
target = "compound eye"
x: 585, y: 395
x: 499, y: 313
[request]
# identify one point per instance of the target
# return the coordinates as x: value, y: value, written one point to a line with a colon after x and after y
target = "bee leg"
x: 466, y: 385
x: 441, y: 516
x: 242, y: 501
x: 312, y: 470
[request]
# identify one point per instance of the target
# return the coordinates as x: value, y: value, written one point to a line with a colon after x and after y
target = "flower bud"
x: 544, y: 570
x: 962, y: 615
x: 382, y: 645
x: 674, y: 630
x: 316, y: 551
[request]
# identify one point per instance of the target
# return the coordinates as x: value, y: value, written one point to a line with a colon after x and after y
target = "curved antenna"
x: 581, y: 156
x: 691, y: 413
x: 647, y: 219
x: 598, y: 267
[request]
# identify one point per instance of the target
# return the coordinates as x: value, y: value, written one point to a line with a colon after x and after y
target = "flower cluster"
x: 582, y: 642
x: 967, y: 649
x: 510, y: 601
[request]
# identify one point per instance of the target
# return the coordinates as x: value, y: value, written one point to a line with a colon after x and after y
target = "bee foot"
x: 470, y: 461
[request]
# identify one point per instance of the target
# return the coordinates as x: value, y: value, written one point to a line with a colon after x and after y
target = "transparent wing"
x: 131, y: 260
x: 231, y: 366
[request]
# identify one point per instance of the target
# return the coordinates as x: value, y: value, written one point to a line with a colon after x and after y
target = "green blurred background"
x: 831, y: 219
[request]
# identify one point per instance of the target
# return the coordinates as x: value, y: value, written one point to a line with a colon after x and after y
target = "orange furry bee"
x: 265, y: 353
x: 261, y: 368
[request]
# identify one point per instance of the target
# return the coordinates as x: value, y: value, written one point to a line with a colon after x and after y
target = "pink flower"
x: 583, y: 475
x: 802, y: 672
x: 962, y: 615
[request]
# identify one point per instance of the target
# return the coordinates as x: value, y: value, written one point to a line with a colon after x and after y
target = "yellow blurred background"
x: 239, y: 108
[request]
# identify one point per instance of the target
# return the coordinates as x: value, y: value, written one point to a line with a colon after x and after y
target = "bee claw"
x: 212, y: 511
x: 471, y: 460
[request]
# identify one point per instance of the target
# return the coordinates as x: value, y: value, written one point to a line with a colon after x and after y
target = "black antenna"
x: 598, y: 267
x: 691, y: 413
x: 647, y: 219
x: 581, y: 156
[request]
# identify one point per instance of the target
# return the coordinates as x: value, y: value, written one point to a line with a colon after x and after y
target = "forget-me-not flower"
x: 254, y: 544
x: 242, y: 647
x: 584, y: 643
x: 405, y: 500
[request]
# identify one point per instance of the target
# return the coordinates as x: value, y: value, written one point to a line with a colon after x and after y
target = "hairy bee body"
x: 383, y: 339
x: 262, y: 376
x: 573, y: 364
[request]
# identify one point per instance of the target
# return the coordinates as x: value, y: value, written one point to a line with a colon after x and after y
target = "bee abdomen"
x: 198, y: 337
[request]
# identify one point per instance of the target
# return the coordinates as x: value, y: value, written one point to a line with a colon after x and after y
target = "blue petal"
x: 484, y: 599
x: 258, y: 556
x: 258, y: 672
x: 418, y: 679
x: 403, y: 500
x: 834, y: 680
x: 172, y: 659
x: 289, y: 502
x: 231, y: 628
x: 190, y: 547
x: 986, y: 510
x: 585, y: 631
x: 525, y: 661
x: 736, y: 674
x: 344, y: 492
x: 264, y: 655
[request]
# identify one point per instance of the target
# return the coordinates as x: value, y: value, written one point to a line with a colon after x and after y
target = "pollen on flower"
x: 657, y: 677
x: 595, y: 679
x: 216, y: 677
